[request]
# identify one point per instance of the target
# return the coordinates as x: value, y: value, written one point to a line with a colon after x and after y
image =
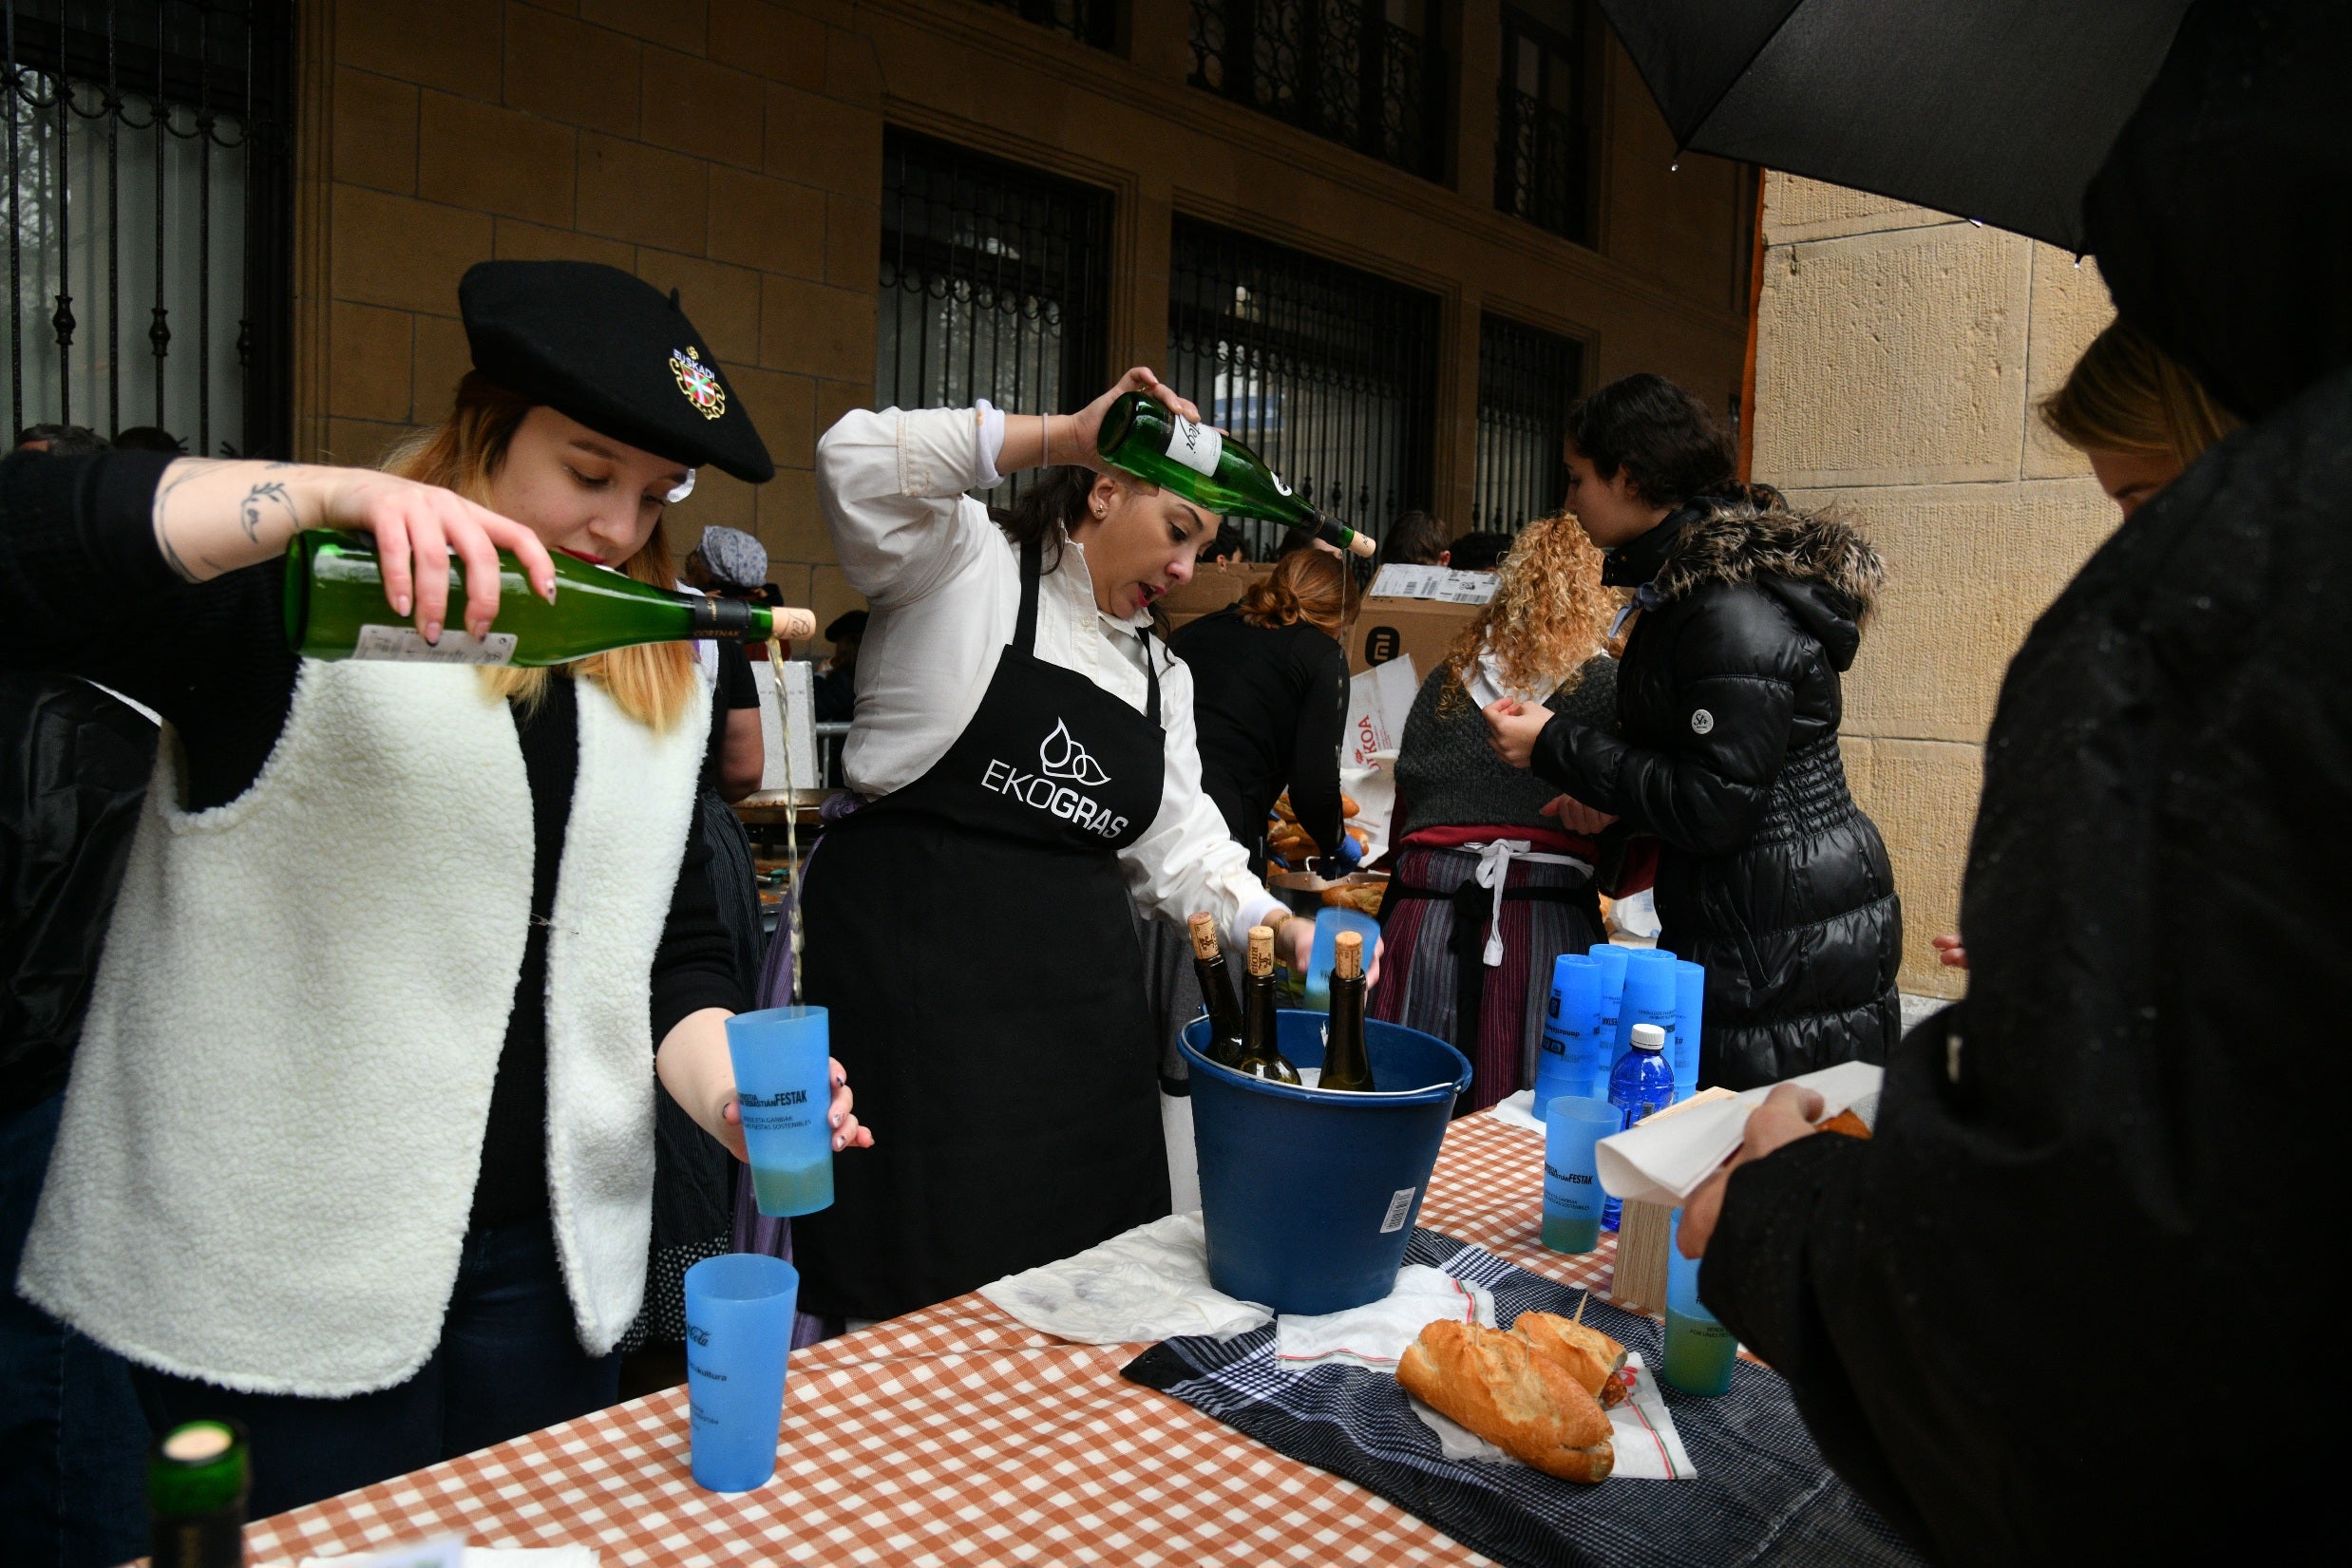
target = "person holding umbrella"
x: 2071, y: 1178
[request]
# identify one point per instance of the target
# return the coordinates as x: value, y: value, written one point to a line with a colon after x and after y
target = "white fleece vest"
x: 277, y: 1107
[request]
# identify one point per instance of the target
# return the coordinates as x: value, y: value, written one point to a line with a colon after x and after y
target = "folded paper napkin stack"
x: 1667, y: 1158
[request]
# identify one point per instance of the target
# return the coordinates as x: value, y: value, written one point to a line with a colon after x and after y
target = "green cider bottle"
x: 1261, y: 1055
x: 1346, y: 1065
x: 199, y: 1475
x: 1142, y: 437
x: 335, y: 609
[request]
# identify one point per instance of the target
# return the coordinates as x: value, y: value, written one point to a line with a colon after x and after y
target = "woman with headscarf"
x: 2013, y: 1319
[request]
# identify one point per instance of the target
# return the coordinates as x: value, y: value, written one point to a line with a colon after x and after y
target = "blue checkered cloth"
x: 1763, y: 1495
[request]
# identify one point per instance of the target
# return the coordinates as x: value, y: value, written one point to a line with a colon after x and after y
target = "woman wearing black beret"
x: 358, y: 1148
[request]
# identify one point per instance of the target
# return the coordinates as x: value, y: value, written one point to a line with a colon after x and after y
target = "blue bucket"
x: 1309, y: 1199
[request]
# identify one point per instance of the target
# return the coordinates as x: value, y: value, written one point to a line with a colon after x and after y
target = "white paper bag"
x: 1378, y: 702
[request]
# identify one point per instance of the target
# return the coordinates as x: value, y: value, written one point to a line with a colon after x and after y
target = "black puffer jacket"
x: 1728, y: 707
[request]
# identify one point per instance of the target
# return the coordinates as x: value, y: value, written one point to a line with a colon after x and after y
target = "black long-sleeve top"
x: 84, y: 590
x: 1268, y: 703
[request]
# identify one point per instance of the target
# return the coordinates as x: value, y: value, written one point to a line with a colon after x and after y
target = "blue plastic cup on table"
x: 1569, y: 1060
x: 783, y: 1088
x: 1573, y: 1125
x: 739, y: 1311
x: 1649, y: 998
x: 1612, y: 961
x: 1700, y: 1351
x: 1690, y: 1005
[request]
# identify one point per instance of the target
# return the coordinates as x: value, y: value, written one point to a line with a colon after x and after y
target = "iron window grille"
x: 1527, y: 380
x: 1369, y: 74
x: 1095, y: 22
x: 1326, y: 372
x: 150, y: 206
x: 993, y: 284
x: 1543, y: 134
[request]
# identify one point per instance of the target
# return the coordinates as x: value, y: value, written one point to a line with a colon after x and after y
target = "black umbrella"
x: 1999, y: 110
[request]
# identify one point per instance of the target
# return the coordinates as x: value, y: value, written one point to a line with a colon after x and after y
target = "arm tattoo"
x: 248, y: 510
x: 162, y: 534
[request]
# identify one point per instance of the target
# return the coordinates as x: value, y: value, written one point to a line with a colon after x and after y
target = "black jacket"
x: 2137, y: 1099
x: 1728, y: 707
x: 73, y: 773
x: 1268, y: 703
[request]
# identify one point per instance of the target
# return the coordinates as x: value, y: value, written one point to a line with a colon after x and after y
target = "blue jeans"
x: 509, y: 1362
x: 73, y: 1439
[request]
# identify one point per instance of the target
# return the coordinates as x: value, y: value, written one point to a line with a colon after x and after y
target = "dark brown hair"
x: 1665, y: 441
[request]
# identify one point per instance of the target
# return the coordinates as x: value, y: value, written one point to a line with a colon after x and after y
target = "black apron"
x: 971, y: 935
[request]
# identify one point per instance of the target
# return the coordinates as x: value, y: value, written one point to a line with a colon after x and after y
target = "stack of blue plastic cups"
x: 1573, y: 1059
x: 1690, y: 999
x: 1612, y: 961
x: 1649, y: 997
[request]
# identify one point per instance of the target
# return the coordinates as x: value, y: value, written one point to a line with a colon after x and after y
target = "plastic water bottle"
x: 1640, y: 1085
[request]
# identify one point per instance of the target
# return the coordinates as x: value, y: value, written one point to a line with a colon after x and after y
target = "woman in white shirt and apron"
x: 1027, y: 753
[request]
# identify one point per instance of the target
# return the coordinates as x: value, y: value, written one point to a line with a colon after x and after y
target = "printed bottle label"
x: 404, y: 645
x: 1197, y: 446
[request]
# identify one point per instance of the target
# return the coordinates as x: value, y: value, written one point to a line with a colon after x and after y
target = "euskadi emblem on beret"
x: 699, y: 382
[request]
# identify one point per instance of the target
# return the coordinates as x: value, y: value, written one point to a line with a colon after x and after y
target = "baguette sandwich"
x: 1525, y: 1404
x: 1586, y: 1354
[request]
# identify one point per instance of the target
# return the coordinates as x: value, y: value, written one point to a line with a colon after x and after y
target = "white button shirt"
x: 944, y: 587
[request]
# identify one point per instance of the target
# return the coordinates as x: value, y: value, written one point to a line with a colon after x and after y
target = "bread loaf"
x: 1586, y: 1354
x: 1525, y: 1404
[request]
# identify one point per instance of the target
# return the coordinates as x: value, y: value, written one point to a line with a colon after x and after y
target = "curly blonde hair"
x: 1549, y: 613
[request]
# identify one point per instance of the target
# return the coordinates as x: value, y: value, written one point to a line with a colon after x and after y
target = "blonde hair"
x: 649, y: 682
x: 1306, y: 585
x: 2127, y: 395
x: 1548, y: 616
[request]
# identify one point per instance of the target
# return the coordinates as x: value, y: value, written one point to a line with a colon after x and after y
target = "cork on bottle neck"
x: 1347, y: 955
x: 1203, y: 937
x: 1262, y: 949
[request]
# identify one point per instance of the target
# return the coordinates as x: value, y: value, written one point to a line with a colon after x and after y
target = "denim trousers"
x: 73, y: 1439
x: 509, y: 1362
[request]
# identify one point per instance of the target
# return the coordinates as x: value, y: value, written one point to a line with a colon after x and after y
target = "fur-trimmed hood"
x: 1820, y: 567
x: 1739, y: 542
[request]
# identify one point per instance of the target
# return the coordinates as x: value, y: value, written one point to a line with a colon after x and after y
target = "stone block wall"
x: 1900, y: 353
x: 732, y: 149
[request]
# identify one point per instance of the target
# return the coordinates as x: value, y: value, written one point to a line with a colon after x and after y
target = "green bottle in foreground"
x: 1141, y: 437
x: 335, y: 609
x: 198, y: 1479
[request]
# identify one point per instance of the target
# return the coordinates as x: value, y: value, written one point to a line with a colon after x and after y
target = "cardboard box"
x: 1424, y: 628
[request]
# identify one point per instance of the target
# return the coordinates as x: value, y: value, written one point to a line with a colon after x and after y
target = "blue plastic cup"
x: 1612, y: 961
x: 739, y: 1311
x: 1573, y: 1125
x: 1329, y: 922
x: 1690, y: 1002
x: 1649, y: 998
x: 784, y: 1091
x: 1700, y: 1351
x: 1569, y: 1060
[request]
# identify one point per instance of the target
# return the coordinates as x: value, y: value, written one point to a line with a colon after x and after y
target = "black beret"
x: 612, y: 352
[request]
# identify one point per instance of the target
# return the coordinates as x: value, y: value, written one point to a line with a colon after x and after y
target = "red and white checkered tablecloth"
x: 953, y: 1436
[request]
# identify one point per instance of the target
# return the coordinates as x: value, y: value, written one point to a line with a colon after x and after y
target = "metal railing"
x: 149, y: 201
x: 994, y: 283
x: 1527, y: 380
x: 1095, y: 22
x: 1325, y: 371
x: 1348, y: 71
